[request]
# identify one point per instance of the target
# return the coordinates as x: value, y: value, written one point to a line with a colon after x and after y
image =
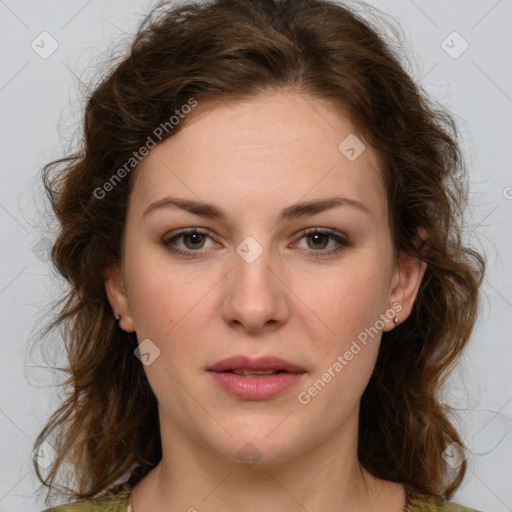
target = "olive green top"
x: 118, y: 501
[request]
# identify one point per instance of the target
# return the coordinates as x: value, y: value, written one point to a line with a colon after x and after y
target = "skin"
x: 252, y: 158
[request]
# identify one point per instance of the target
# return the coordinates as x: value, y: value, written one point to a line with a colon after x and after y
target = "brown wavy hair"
x: 107, y: 427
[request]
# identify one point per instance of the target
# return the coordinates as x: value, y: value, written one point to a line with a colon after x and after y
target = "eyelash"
x: 342, y: 240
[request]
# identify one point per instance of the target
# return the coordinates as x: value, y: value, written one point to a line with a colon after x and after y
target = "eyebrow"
x: 297, y: 210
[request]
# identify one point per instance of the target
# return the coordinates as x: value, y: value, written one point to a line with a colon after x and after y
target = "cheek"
x: 163, y: 297
x: 345, y: 302
x: 176, y: 309
x: 348, y: 304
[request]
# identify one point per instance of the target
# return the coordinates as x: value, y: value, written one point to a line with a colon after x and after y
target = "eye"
x: 194, y: 240
x: 320, y: 239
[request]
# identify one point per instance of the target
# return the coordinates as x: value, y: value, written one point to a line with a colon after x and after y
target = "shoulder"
x: 111, y: 502
x: 417, y: 502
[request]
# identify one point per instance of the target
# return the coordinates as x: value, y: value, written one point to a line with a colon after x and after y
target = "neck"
x: 324, y: 478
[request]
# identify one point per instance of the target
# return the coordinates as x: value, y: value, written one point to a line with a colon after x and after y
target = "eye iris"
x: 195, y: 240
x: 196, y: 237
x: 317, y: 236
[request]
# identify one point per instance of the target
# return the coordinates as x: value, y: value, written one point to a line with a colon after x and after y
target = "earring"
x: 396, y: 321
x: 117, y: 318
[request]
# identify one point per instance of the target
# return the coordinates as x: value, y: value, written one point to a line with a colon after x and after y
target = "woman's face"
x: 247, y: 281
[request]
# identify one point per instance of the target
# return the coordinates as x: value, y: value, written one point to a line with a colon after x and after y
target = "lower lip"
x: 260, y: 387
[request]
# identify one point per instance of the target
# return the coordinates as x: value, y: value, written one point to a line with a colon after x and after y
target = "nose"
x: 256, y: 294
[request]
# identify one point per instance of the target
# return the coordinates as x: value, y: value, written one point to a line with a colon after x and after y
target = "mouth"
x: 255, y: 379
x: 254, y: 373
x: 267, y: 365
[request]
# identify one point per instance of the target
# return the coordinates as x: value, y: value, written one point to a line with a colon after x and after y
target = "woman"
x: 267, y: 280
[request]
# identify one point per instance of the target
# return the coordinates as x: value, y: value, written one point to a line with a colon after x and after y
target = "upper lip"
x: 256, y: 363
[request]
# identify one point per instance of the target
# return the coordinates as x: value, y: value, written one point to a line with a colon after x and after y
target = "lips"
x: 243, y: 365
x: 259, y: 378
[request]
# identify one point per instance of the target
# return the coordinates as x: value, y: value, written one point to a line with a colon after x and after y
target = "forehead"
x: 262, y: 153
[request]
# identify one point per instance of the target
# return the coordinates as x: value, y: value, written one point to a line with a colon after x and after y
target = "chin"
x: 264, y: 441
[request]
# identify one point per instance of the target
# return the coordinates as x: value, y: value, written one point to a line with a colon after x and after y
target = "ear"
x: 116, y: 293
x: 405, y: 284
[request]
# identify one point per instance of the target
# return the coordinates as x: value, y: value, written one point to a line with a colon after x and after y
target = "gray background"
x: 40, y: 106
